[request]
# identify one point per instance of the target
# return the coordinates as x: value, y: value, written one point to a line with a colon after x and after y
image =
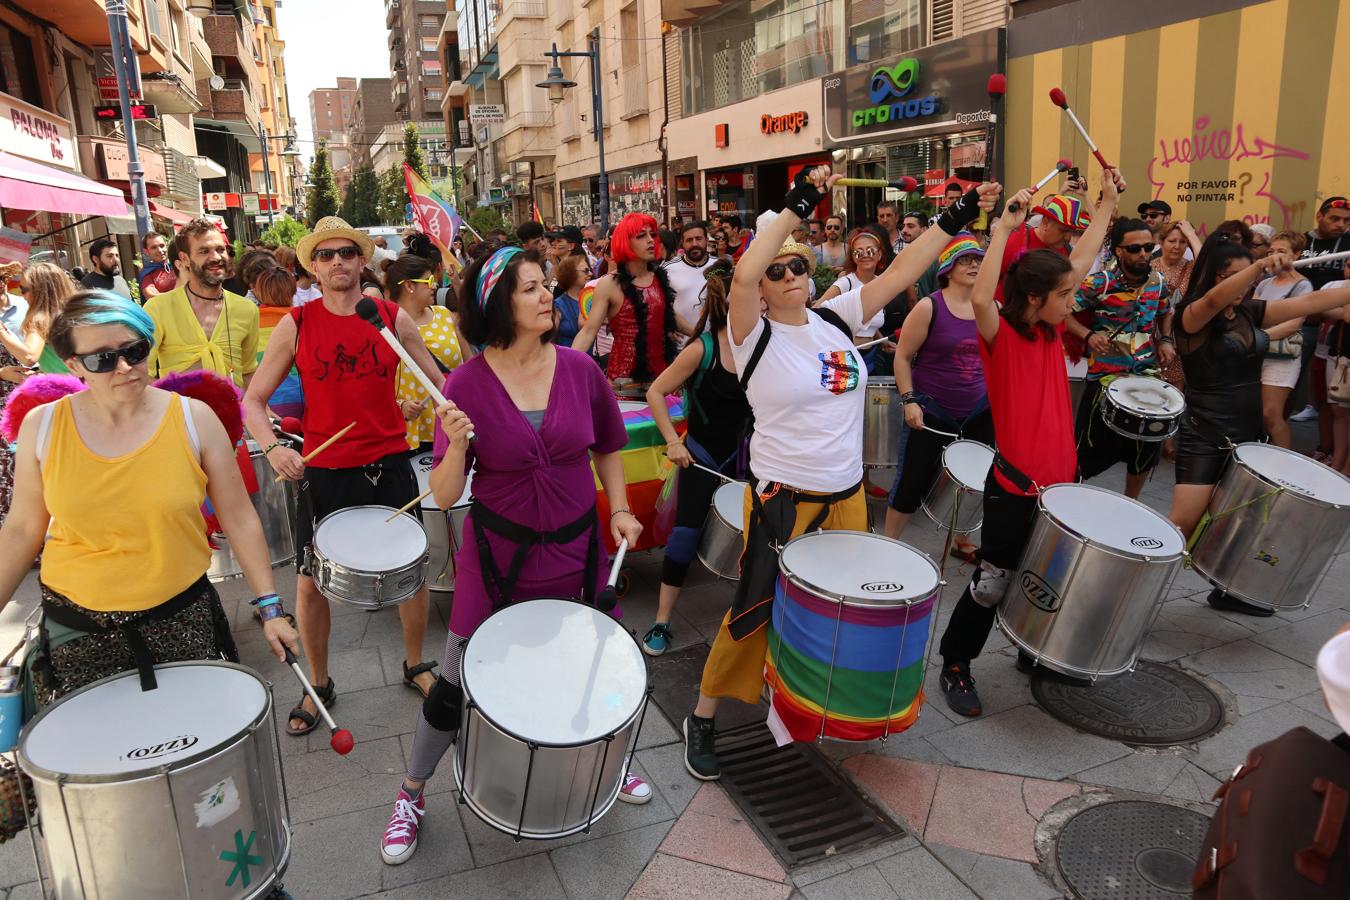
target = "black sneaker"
x: 700, y: 756
x: 960, y: 690
x: 1222, y: 600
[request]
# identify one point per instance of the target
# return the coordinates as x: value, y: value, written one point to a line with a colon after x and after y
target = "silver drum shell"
x: 882, y: 417
x: 1273, y: 552
x: 275, y: 504
x: 362, y: 588
x: 110, y: 837
x: 1081, y: 608
x: 720, y: 546
x: 440, y: 550
x: 945, y: 494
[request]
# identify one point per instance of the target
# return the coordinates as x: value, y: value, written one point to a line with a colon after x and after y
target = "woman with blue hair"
x: 118, y: 472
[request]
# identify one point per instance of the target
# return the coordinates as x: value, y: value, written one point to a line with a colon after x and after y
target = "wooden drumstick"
x: 322, y: 447
x: 409, y: 505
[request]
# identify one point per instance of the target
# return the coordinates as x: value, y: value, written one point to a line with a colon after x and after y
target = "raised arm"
x: 1306, y: 305
x: 1090, y: 244
x: 1228, y: 292
x: 986, y: 282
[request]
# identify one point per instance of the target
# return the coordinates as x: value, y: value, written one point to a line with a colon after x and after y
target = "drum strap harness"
x: 1015, y: 475
x: 525, y: 538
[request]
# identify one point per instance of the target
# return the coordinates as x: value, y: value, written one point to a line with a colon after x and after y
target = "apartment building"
x: 414, y: 64
x: 330, y: 115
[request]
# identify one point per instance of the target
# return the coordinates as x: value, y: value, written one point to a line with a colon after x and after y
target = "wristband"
x: 270, y: 447
x: 957, y: 216
x: 909, y: 397
x: 265, y: 599
x: 271, y: 611
x: 803, y: 197
x: 617, y: 511
x: 1166, y: 339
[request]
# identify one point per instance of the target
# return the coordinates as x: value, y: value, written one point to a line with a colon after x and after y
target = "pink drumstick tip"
x: 908, y: 184
x: 1064, y: 164
x: 342, y: 741
x: 1057, y: 97
x: 998, y: 84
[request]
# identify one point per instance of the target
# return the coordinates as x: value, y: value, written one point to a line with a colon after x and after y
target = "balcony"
x: 520, y: 9
x: 527, y: 119
x: 633, y: 93
x: 234, y: 101
x: 227, y: 37
x: 391, y: 13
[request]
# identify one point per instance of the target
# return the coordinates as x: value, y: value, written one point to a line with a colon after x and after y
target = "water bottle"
x: 11, y: 708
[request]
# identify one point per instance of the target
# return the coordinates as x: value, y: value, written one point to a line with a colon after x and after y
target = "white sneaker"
x: 635, y: 790
x: 1306, y: 414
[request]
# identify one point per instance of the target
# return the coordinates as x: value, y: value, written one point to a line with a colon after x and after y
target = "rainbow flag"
x: 538, y: 217
x: 436, y: 218
x: 644, y: 466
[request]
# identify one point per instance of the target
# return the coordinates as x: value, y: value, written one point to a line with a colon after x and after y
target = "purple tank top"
x: 947, y: 366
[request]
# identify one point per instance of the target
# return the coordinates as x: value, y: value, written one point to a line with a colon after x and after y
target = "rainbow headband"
x: 491, y: 273
x: 961, y: 245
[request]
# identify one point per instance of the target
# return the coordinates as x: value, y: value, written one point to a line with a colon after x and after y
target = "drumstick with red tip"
x: 1061, y: 166
x: 342, y: 740
x: 904, y: 185
x: 996, y: 87
x: 1057, y: 97
x: 607, y: 598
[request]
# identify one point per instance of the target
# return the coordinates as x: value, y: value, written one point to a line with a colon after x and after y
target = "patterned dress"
x: 6, y: 452
x: 440, y: 337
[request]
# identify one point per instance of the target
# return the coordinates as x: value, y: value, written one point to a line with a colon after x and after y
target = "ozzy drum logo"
x: 1039, y: 593
x: 164, y: 748
x: 1146, y: 543
x: 882, y: 587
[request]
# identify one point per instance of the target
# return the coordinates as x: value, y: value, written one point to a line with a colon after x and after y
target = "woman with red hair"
x: 636, y: 301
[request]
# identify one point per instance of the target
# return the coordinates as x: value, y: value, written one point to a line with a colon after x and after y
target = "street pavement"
x: 980, y: 798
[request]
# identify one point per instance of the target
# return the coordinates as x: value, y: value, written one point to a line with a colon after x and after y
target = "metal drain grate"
x: 802, y: 808
x: 1155, y: 705
x: 1130, y: 850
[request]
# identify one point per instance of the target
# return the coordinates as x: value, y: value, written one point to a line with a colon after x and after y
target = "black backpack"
x: 825, y: 313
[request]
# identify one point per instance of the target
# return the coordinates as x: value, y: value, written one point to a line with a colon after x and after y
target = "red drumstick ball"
x: 342, y: 741
x: 1057, y: 97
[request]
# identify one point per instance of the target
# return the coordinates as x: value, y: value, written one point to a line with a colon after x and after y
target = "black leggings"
x: 923, y: 457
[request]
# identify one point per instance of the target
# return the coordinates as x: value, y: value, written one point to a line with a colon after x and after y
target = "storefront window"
x: 579, y: 201
x: 635, y: 190
x: 881, y: 28
x: 750, y: 47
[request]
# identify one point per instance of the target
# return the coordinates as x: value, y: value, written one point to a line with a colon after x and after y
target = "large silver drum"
x: 444, y: 529
x: 274, y: 502
x: 1275, y: 523
x: 959, y: 488
x: 554, y: 695
x: 882, y: 418
x: 359, y: 556
x: 723, y: 537
x: 1092, y: 579
x: 1077, y: 381
x: 174, y: 792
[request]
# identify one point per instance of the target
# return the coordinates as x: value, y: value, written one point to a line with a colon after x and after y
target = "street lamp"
x: 288, y: 151
x: 556, y: 84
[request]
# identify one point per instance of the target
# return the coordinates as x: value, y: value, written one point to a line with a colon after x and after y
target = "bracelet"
x: 1166, y: 339
x: 270, y: 447
x: 909, y: 397
x: 265, y: 599
x: 270, y: 612
x: 617, y: 511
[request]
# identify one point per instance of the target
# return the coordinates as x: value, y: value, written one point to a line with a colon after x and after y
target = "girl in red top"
x: 1028, y: 388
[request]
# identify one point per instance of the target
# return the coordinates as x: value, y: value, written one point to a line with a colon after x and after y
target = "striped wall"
x: 1244, y: 114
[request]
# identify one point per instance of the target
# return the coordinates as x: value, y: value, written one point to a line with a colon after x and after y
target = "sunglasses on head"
x: 429, y: 281
x: 103, y: 361
x: 775, y: 272
x: 1336, y: 204
x: 327, y: 253
x: 1138, y: 248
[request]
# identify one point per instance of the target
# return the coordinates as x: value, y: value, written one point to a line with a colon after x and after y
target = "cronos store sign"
x: 943, y: 88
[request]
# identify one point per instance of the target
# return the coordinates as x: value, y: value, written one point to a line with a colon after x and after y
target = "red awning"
x: 175, y: 217
x: 25, y: 184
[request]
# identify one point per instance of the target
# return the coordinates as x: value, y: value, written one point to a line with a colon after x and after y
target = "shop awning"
x: 25, y: 184
x: 175, y: 217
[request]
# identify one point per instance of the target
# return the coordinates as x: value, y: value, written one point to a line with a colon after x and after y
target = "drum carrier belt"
x: 525, y: 538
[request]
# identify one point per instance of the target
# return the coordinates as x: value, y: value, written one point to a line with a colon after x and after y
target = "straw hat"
x: 326, y: 229
x: 790, y: 247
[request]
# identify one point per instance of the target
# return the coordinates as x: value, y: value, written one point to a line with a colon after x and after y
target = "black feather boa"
x: 633, y: 294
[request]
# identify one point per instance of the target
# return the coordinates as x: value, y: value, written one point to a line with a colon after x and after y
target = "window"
x: 429, y: 44
x: 154, y: 19
x: 877, y: 31
x: 628, y: 27
x: 430, y: 22
x: 431, y: 67
x: 18, y: 68
x: 434, y: 95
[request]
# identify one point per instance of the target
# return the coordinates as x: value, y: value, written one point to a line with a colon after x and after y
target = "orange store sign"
x: 793, y: 122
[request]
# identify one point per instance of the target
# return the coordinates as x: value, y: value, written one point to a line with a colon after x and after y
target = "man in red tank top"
x: 349, y: 374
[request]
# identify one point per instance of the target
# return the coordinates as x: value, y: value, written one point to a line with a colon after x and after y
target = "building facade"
x: 372, y: 109
x: 416, y: 87
x: 330, y: 115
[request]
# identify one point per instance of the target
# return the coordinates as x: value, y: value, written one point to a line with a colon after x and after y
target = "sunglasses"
x: 327, y: 253
x: 865, y: 253
x: 1138, y: 248
x: 775, y: 272
x: 101, y: 362
x: 1336, y: 204
x: 1153, y: 215
x: 429, y: 281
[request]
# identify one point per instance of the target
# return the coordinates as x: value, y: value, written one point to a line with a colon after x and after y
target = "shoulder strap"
x: 706, y: 339
x: 191, y: 426
x: 44, y: 430
x: 834, y: 319
x: 758, y: 352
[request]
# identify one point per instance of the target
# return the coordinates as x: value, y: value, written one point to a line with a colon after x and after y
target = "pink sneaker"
x: 400, y: 835
x: 635, y: 790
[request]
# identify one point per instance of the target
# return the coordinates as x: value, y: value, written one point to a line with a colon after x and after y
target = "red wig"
x: 629, y: 227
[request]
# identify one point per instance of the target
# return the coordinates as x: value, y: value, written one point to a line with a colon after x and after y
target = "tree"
x: 284, y: 232
x: 323, y: 198
x: 393, y: 196
x: 347, y: 210
x: 412, y: 150
x: 485, y: 219
x: 365, y: 198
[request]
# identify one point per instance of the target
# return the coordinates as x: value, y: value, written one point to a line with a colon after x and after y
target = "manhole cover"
x: 1130, y: 850
x: 1156, y: 705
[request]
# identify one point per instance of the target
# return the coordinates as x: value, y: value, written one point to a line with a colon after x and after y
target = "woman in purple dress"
x: 541, y: 415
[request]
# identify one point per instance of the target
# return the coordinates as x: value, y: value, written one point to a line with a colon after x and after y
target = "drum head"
x: 730, y: 503
x: 1296, y: 472
x: 632, y: 406
x: 969, y: 462
x: 359, y: 538
x: 858, y: 568
x: 113, y: 728
x: 555, y: 672
x: 1146, y: 396
x: 1113, y: 520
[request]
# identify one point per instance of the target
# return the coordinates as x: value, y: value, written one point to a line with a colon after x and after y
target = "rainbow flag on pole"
x: 538, y: 216
x: 436, y: 218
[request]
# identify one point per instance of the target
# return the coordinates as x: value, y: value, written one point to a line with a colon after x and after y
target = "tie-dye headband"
x: 961, y: 245
x: 491, y: 273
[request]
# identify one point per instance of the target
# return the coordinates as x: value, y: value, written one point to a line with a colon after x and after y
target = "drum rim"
x: 318, y: 554
x: 853, y: 602
x: 1109, y: 403
x: 1183, y: 553
x: 962, y: 484
x: 35, y: 771
x: 469, y: 702
x: 1286, y: 489
x: 1055, y: 665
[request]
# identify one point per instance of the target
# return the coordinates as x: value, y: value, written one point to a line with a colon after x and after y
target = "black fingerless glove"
x: 803, y: 197
x: 958, y: 216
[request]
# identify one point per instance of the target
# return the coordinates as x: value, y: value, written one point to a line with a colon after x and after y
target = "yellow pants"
x: 736, y: 668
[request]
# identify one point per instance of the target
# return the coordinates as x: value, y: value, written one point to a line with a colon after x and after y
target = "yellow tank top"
x: 127, y: 532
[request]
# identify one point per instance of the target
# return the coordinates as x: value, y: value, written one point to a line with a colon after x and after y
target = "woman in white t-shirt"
x: 806, y: 384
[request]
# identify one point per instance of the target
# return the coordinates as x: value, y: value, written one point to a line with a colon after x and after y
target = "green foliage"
x: 365, y: 198
x: 323, y: 198
x: 824, y: 277
x: 412, y: 153
x: 347, y: 210
x: 484, y: 219
x: 284, y: 232
x: 239, y: 248
x: 393, y: 196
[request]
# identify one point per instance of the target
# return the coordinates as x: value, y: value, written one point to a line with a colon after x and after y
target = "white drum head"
x: 1077, y: 370
x: 859, y: 569
x: 730, y: 503
x: 969, y: 462
x: 117, y: 728
x: 1146, y: 396
x: 1113, y: 520
x: 1296, y: 472
x: 555, y: 672
x: 359, y: 538
x: 632, y: 406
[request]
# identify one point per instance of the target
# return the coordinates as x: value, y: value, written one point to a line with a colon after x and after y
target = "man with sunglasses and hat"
x: 350, y: 375
x: 1124, y: 308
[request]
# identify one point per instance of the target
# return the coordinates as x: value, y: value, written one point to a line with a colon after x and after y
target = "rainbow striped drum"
x: 847, y: 639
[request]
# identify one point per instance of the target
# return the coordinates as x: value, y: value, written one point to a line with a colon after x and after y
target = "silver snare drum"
x: 1142, y: 408
x: 554, y: 696
x: 1092, y: 579
x: 1275, y: 523
x: 274, y: 501
x: 960, y: 486
x: 723, y: 537
x: 882, y: 419
x: 359, y: 558
x: 173, y: 792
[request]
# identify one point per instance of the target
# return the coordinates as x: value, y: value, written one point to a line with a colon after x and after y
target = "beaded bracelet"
x: 617, y: 511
